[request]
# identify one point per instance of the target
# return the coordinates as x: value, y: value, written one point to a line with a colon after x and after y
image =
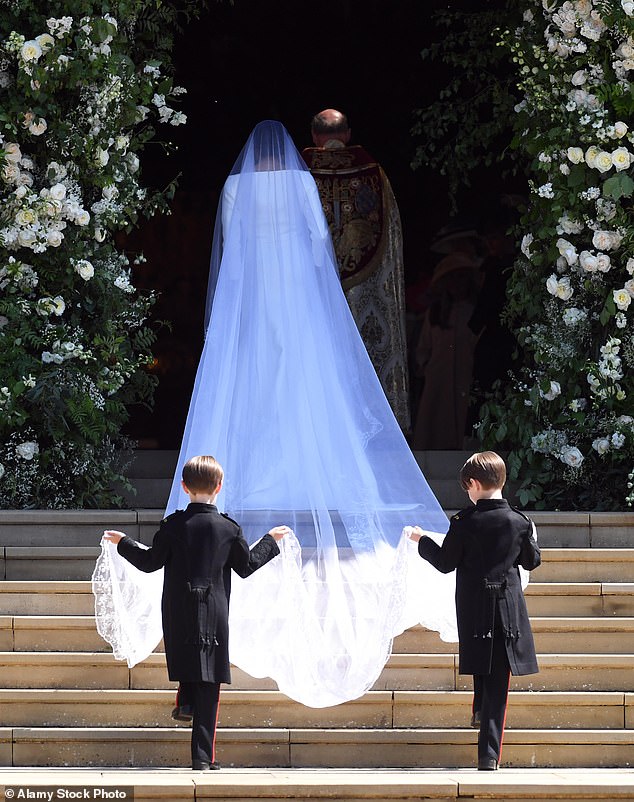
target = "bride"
x: 287, y: 400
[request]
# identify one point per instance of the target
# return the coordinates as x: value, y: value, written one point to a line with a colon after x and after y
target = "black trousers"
x: 204, y: 699
x: 490, y: 696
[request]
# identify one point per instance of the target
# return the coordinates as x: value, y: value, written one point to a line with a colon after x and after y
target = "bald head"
x: 329, y: 125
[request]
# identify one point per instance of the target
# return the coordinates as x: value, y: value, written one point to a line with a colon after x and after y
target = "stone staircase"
x: 66, y: 702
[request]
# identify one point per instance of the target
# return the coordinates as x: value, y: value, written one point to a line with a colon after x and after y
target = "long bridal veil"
x: 287, y: 400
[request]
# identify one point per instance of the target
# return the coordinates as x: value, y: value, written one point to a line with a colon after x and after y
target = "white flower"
x: 621, y: 159
x: 579, y: 78
x: 84, y: 268
x: 178, y: 118
x: 618, y: 440
x: 12, y: 152
x: 620, y: 129
x: 552, y: 393
x: 37, y: 127
x: 568, y: 251
x: 572, y: 315
x: 622, y: 299
x: 628, y: 7
x: 546, y: 191
x: 27, y: 238
x: 602, y: 161
x: 559, y: 287
x: 132, y: 160
x: 630, y: 266
x: 57, y: 192
x: 31, y: 51
x: 571, y: 455
x: 45, y: 41
x: 629, y: 286
x: 158, y: 100
x: 27, y: 450
x: 100, y: 234
x: 103, y: 157
x: 525, y: 247
x: 82, y: 218
x: 54, y: 238
x: 603, y: 262
x: 588, y: 261
x: 601, y: 445
x: 606, y: 240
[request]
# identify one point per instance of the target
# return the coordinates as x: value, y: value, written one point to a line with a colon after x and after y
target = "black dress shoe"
x: 182, y: 713
x: 201, y: 765
x: 487, y: 764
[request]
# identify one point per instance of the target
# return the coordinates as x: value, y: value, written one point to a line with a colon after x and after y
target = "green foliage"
x: 470, y: 123
x: 80, y: 95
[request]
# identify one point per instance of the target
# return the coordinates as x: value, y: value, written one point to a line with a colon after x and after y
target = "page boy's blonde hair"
x: 202, y: 474
x: 485, y: 467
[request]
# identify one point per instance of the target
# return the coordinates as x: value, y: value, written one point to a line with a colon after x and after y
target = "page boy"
x: 485, y: 544
x: 198, y: 547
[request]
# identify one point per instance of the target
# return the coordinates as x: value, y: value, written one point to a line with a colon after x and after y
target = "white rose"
x: 571, y: 456
x: 84, y: 269
x: 628, y: 7
x: 553, y: 392
x: 25, y: 217
x: 12, y: 152
x: 588, y: 261
x: 122, y: 142
x: 59, y: 305
x: 564, y: 290
x: 606, y: 240
x: 603, y: 262
x: 100, y: 234
x: 45, y: 41
x: 602, y: 161
x: 38, y: 128
x: 552, y: 283
x: 621, y: 158
x: 132, y: 160
x: 27, y: 450
x: 601, y: 445
x: 27, y: 238
x: 31, y: 51
x: 630, y: 266
x: 54, y: 238
x: 629, y: 286
x: 620, y: 129
x: 567, y: 250
x: 20, y: 192
x: 110, y: 192
x: 525, y: 247
x: 579, y: 78
x: 103, y: 157
x: 622, y: 299
x: 57, y: 192
x: 82, y: 218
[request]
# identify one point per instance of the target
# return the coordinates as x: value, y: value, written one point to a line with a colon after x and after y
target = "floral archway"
x: 80, y: 96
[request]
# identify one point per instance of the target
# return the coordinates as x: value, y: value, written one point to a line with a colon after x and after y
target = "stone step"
x: 578, y: 599
x: 95, y: 670
x: 608, y: 635
x: 305, y: 747
x: 259, y: 709
x: 55, y: 528
x: 31, y: 563
x: 77, y: 633
x: 347, y: 785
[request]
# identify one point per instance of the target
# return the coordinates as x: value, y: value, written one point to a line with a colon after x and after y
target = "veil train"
x: 288, y: 402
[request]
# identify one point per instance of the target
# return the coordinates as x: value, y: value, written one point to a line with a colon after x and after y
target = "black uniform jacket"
x: 198, y: 547
x: 485, y: 544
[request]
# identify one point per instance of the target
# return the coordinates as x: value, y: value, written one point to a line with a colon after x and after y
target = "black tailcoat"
x: 198, y: 547
x: 485, y: 544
